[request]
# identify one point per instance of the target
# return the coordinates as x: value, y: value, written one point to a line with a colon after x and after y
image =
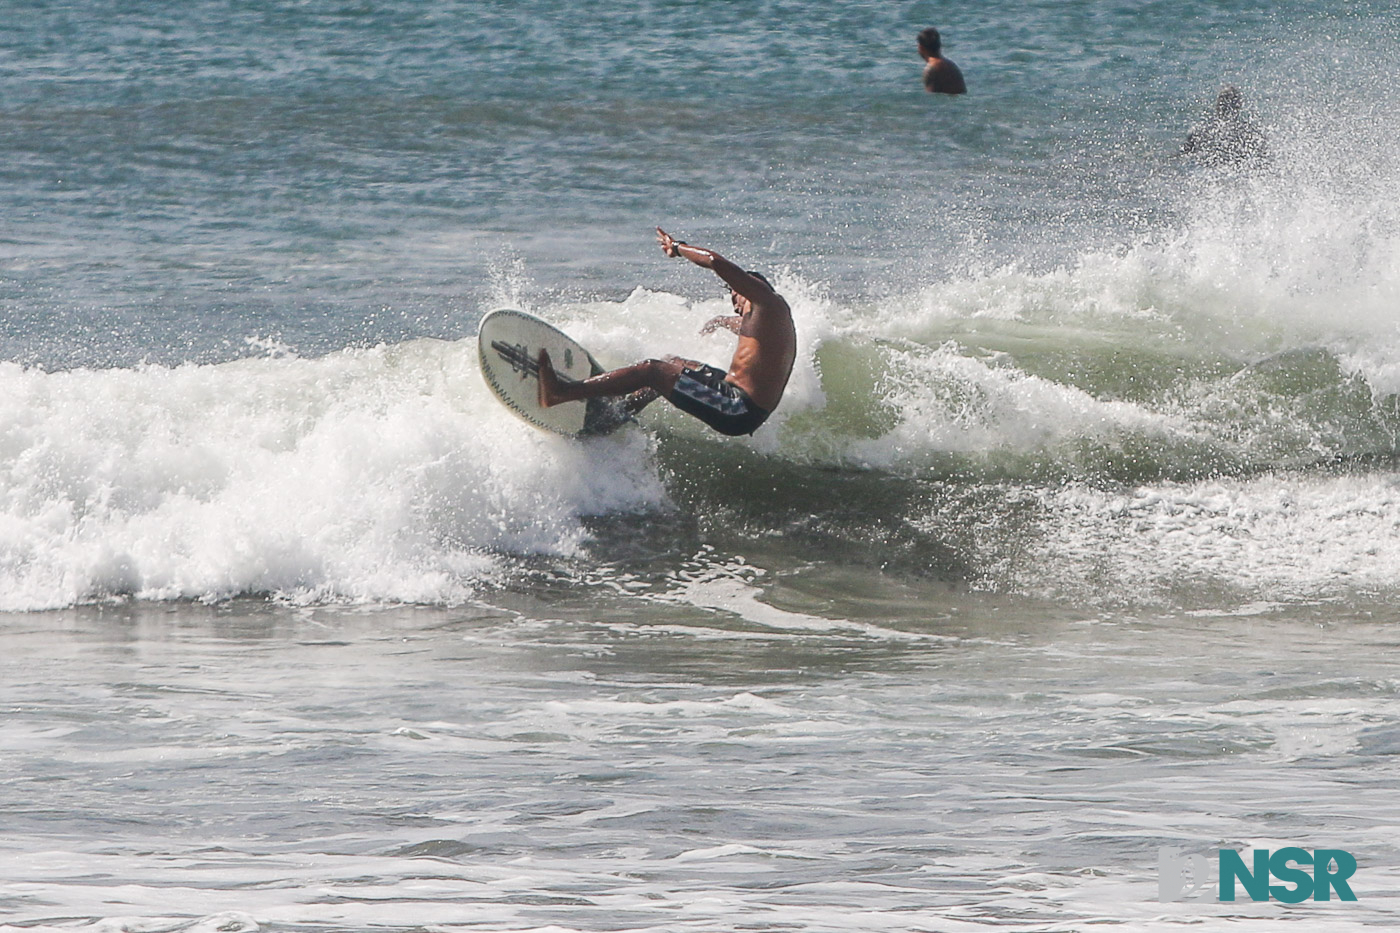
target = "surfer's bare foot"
x: 549, y: 382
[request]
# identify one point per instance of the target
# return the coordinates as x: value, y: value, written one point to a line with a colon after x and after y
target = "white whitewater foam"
x: 950, y: 401
x: 383, y: 474
x: 1285, y: 538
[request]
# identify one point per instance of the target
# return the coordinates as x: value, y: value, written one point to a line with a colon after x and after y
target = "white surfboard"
x: 509, y: 344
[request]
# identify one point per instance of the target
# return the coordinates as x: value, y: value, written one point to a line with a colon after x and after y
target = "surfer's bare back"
x: 733, y: 402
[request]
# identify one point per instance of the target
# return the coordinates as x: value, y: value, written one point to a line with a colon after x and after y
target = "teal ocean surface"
x: 1076, y: 536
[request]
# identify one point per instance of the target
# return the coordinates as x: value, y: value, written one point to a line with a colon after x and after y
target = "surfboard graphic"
x: 509, y: 344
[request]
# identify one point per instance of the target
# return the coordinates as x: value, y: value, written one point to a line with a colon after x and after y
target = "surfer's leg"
x: 658, y: 375
x: 643, y: 397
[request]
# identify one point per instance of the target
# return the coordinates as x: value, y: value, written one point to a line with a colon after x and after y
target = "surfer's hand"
x: 669, y: 246
x: 727, y: 321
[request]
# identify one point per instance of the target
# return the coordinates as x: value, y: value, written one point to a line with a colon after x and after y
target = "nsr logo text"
x: 1184, y: 876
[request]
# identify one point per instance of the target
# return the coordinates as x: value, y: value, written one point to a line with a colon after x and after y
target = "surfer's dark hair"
x: 930, y: 41
x: 1230, y: 100
x: 760, y: 276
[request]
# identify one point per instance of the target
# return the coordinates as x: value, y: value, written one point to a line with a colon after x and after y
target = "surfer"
x: 733, y: 402
x: 941, y: 76
x: 1227, y: 137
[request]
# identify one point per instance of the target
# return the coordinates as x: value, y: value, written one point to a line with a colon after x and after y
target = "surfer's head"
x: 930, y: 43
x: 739, y: 301
x: 1230, y: 101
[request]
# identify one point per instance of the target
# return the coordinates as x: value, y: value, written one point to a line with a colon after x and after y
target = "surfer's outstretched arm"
x: 750, y: 286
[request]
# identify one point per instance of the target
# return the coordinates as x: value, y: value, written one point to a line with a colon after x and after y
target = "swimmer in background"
x: 941, y: 76
x: 1227, y: 137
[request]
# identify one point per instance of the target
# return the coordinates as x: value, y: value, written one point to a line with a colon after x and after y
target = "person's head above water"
x: 1230, y: 101
x: 930, y: 43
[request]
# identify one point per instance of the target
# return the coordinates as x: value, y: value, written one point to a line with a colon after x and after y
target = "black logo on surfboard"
x: 517, y: 356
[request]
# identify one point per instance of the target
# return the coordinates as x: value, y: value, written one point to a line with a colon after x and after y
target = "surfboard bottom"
x: 509, y: 344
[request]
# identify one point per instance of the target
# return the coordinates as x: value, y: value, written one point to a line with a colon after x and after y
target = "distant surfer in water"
x: 1227, y: 137
x: 734, y: 402
x: 941, y: 76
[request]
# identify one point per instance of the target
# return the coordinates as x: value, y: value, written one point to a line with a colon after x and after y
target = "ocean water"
x: 1076, y: 536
